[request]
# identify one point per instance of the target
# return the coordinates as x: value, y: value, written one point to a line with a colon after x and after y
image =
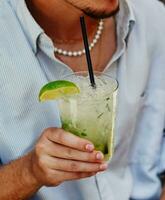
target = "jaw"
x: 96, y: 8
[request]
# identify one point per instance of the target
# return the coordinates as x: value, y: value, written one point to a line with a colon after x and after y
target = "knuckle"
x: 39, y: 149
x: 45, y: 132
x: 59, y: 135
x: 90, y: 157
x: 73, y: 166
x: 69, y: 152
x: 41, y: 163
x: 87, y: 157
x: 49, y: 131
x: 97, y: 167
x: 80, y: 143
x: 93, y: 168
x: 55, y: 134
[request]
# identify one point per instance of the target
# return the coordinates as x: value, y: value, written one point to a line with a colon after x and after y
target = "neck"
x: 59, y: 19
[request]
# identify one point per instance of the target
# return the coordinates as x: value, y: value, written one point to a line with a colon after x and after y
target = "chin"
x: 96, y: 8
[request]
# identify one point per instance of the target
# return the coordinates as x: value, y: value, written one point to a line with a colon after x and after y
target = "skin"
x: 163, y: 194
x: 66, y: 32
x: 97, y: 8
x: 60, y: 156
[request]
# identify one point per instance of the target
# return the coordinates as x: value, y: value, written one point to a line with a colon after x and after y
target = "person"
x: 41, y: 41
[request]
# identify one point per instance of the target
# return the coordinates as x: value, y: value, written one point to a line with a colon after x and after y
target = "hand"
x: 61, y: 156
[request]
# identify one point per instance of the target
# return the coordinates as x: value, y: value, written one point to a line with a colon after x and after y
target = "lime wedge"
x: 57, y: 89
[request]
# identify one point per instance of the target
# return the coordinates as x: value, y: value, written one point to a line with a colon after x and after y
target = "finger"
x: 76, y: 176
x: 66, y: 176
x: 60, y: 151
x: 74, y: 166
x: 60, y: 136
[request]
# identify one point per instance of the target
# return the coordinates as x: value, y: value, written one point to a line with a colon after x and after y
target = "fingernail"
x: 104, y: 166
x: 99, y: 156
x: 89, y: 147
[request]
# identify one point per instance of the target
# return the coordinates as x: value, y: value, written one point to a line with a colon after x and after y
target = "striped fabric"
x: 27, y: 62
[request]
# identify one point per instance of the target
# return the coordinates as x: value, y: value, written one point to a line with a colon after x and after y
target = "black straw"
x: 88, y: 57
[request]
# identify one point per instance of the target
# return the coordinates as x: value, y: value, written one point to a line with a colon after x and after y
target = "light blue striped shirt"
x: 27, y: 62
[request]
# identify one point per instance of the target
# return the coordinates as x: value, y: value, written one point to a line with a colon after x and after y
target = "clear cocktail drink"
x: 91, y: 113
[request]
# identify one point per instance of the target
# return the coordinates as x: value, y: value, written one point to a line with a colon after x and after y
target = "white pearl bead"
x: 101, y: 23
x: 64, y: 53
x: 59, y: 51
x: 70, y: 53
x: 75, y: 53
x: 94, y: 41
x: 92, y: 45
x: 79, y: 53
x: 100, y: 28
x: 97, y: 37
x: 99, y: 32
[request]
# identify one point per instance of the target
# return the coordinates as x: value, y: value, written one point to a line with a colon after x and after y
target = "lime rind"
x: 57, y: 89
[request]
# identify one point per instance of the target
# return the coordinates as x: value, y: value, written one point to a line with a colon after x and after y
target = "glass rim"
x: 95, y: 72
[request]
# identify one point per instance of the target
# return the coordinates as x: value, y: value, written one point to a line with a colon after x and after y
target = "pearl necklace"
x: 81, y: 52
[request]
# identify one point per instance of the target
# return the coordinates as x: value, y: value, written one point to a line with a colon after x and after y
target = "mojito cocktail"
x: 90, y: 114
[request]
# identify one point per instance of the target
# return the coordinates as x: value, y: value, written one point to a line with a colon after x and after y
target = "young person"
x: 39, y: 160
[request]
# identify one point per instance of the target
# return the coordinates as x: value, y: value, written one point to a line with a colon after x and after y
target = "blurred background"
x: 162, y: 1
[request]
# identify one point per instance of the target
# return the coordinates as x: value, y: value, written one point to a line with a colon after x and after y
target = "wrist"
x: 28, y: 174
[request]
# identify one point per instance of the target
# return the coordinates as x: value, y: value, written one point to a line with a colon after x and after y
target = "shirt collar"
x: 125, y: 20
x: 30, y: 27
x: 129, y: 7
